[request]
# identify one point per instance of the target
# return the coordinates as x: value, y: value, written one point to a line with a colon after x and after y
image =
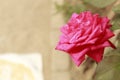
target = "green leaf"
x: 100, y: 3
x: 116, y: 9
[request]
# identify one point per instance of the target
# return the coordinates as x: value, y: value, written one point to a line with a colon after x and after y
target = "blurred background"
x: 28, y: 27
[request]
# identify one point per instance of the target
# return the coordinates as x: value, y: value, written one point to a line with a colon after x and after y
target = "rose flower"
x: 85, y: 34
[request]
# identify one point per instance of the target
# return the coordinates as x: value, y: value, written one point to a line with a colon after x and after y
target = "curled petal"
x: 97, y: 54
x: 78, y: 62
x: 111, y: 44
x: 103, y: 45
x: 64, y: 47
x: 108, y: 34
x: 78, y: 57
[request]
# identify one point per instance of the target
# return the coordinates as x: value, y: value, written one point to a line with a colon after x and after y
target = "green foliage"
x: 116, y: 22
x: 68, y: 9
x: 100, y: 3
x: 109, y: 68
x: 116, y: 9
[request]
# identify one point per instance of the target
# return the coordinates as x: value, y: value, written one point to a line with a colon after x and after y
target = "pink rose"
x: 85, y: 34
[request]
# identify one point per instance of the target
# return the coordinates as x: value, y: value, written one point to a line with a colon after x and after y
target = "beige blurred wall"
x: 60, y: 62
x: 25, y: 27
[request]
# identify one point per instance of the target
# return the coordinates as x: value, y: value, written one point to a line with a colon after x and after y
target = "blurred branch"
x: 111, y: 14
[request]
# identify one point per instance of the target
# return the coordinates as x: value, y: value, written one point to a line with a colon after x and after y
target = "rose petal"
x: 103, y: 45
x: 113, y: 46
x: 93, y: 34
x: 78, y: 57
x: 81, y: 17
x: 93, y: 41
x: 78, y: 62
x: 95, y: 21
x: 107, y: 35
x: 65, y: 29
x: 105, y: 22
x: 97, y: 54
x: 72, y: 20
x: 64, y: 47
x: 64, y: 39
x: 88, y: 31
x: 78, y: 38
x: 74, y: 15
